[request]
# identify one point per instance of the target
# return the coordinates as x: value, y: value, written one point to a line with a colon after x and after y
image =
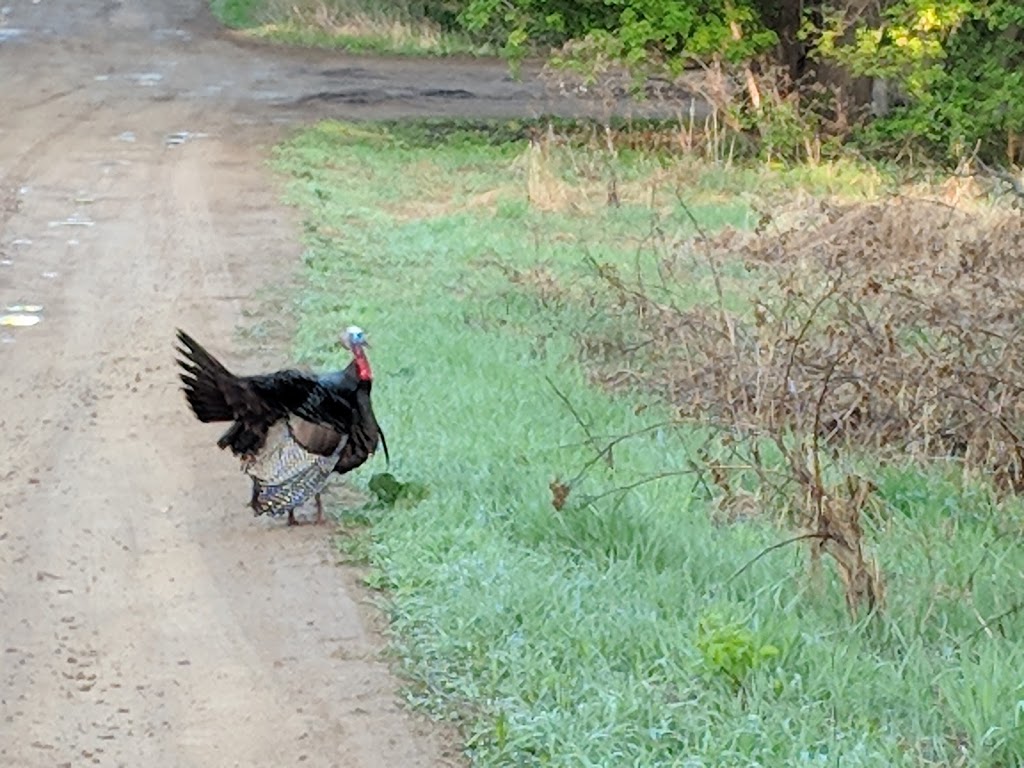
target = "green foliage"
x: 631, y: 31
x: 959, y: 65
x: 730, y: 649
x: 910, y: 39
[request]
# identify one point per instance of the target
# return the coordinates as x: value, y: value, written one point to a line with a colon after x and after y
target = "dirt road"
x: 147, y: 619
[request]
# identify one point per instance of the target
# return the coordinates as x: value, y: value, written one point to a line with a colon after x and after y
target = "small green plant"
x: 391, y: 492
x: 730, y: 649
x: 355, y: 544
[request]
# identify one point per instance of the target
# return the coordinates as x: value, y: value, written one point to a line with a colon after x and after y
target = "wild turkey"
x: 291, y: 429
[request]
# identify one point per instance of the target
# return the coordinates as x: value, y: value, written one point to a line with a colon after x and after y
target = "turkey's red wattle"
x: 362, y: 364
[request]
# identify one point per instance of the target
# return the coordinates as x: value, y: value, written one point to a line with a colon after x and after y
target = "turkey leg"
x: 319, y: 510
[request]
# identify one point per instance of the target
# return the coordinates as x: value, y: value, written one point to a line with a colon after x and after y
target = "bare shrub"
x: 910, y: 309
x: 892, y: 328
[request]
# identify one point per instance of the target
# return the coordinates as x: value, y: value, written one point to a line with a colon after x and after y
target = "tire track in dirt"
x: 13, y: 178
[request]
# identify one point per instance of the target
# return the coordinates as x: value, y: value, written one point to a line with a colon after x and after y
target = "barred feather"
x: 284, y: 474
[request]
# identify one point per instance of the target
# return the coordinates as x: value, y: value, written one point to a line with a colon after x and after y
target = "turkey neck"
x: 362, y: 364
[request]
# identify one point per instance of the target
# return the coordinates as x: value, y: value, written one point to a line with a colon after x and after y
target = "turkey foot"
x: 319, y: 510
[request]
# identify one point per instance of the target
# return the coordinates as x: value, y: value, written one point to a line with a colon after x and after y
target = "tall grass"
x: 616, y: 633
x: 396, y: 26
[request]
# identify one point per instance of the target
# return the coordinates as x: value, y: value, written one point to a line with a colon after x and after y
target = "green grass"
x: 614, y: 633
x: 237, y: 13
x: 359, y: 26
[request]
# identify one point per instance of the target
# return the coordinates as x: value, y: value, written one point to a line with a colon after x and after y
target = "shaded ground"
x: 146, y: 618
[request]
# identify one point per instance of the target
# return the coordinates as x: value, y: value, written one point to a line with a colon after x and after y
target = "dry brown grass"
x: 578, y: 175
x: 446, y: 203
x: 545, y: 189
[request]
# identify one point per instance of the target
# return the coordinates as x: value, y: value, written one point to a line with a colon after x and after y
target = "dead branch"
x: 1015, y: 183
x: 772, y: 548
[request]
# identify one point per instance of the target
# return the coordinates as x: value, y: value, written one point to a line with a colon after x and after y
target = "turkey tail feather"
x: 201, y: 377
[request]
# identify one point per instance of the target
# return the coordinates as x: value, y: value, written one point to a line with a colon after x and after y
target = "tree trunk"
x: 784, y: 17
x: 855, y: 95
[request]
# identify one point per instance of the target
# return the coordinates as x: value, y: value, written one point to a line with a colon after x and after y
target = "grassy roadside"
x: 359, y: 26
x: 614, y: 633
